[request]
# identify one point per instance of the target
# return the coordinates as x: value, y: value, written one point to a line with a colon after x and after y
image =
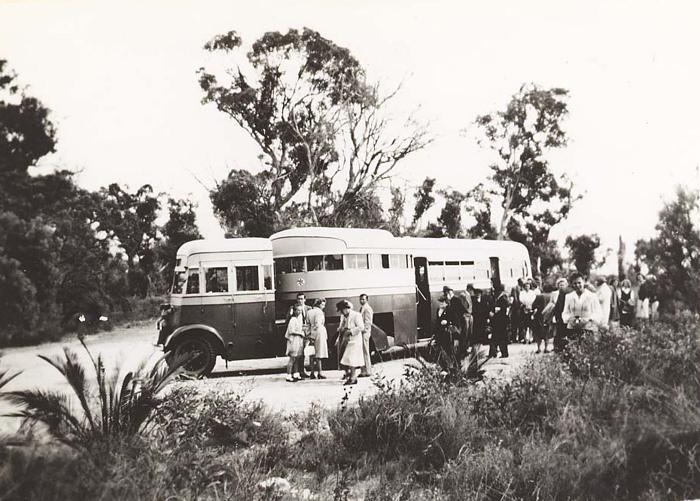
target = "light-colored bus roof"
x: 452, y: 244
x: 224, y: 245
x: 352, y: 237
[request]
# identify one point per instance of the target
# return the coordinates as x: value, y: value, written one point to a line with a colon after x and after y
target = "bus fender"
x: 185, y: 329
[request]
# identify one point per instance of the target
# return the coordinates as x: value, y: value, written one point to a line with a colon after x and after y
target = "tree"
x: 582, y: 251
x: 180, y: 228
x: 322, y: 131
x: 128, y: 219
x: 424, y: 201
x: 396, y: 211
x: 478, y: 205
x: 673, y: 255
x: 521, y: 136
x: 26, y: 133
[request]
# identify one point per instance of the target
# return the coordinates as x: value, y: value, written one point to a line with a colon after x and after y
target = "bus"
x: 230, y: 297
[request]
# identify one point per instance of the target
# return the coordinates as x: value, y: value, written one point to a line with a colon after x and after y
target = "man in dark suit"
x: 481, y: 307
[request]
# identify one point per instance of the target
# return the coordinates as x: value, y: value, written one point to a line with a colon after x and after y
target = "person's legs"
x: 367, y: 368
x: 291, y: 375
x: 319, y: 368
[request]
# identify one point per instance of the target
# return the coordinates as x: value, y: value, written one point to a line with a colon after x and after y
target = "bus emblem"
x: 300, y: 282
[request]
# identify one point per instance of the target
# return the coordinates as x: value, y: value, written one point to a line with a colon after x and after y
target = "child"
x: 295, y: 343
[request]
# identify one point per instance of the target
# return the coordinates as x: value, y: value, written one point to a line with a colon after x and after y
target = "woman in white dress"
x: 319, y: 337
x: 295, y: 343
x: 350, y: 328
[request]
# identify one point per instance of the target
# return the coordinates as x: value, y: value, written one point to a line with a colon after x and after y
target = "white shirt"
x: 585, y: 306
x: 604, y: 294
x: 527, y: 298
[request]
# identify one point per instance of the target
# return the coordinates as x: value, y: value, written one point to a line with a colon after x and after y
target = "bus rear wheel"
x: 196, y: 355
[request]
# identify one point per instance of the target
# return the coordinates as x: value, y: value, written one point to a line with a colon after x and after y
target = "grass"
x: 618, y: 418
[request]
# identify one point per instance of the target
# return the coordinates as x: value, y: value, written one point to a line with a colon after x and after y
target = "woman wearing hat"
x: 350, y: 333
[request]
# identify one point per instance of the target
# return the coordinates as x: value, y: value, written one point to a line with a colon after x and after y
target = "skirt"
x: 295, y: 346
x: 643, y: 308
x: 320, y: 341
x: 353, y: 355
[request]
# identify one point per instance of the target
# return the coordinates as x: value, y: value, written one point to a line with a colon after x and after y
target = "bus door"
x: 253, y: 311
x: 420, y: 266
x: 495, y: 271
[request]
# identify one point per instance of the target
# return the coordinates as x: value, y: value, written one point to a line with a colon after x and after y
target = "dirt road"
x: 259, y: 379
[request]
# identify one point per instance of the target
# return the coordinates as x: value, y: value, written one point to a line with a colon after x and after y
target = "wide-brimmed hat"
x: 447, y: 289
x: 341, y: 305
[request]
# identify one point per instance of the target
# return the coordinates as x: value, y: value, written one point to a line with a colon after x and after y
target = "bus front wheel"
x: 196, y: 355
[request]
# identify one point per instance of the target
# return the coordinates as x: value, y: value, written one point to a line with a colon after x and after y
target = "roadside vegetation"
x: 618, y: 418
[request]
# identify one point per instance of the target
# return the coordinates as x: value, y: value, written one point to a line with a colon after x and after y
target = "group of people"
x: 306, y: 326
x: 526, y: 314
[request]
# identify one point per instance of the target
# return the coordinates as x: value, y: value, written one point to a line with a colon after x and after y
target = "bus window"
x: 193, y: 281
x: 267, y: 277
x: 435, y: 270
x: 397, y: 261
x: 375, y: 261
x: 216, y: 279
x: 283, y: 265
x: 247, y: 278
x: 385, y: 260
x: 356, y: 261
x: 314, y: 263
x: 333, y: 262
x: 298, y: 265
x: 178, y: 282
x: 452, y: 271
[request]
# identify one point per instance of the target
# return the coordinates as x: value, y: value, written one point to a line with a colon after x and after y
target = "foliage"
x: 582, y: 251
x: 424, y: 201
x: 449, y: 222
x: 26, y: 133
x: 323, y: 132
x: 673, y: 255
x: 125, y: 404
x: 181, y: 227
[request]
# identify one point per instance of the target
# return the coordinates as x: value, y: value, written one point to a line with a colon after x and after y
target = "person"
x: 614, y: 285
x: 527, y: 298
x: 367, y: 318
x: 581, y: 309
x: 319, y: 336
x: 642, y: 307
x: 653, y: 298
x: 559, y: 298
x: 481, y: 307
x: 466, y: 342
x: 627, y: 303
x: 515, y: 311
x: 457, y: 312
x: 445, y: 334
x: 350, y: 328
x: 295, y: 343
x: 539, y: 328
x: 604, y: 295
x: 499, y: 322
x: 301, y: 302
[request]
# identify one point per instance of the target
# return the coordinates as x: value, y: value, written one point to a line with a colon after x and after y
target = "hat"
x: 341, y: 305
x: 446, y: 289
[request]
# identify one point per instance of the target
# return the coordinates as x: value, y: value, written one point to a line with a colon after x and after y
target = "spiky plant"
x: 6, y: 376
x: 118, y: 407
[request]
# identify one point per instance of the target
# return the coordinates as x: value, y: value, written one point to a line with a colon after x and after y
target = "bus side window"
x: 247, y: 278
x: 298, y: 264
x: 314, y: 263
x: 435, y: 270
x: 385, y: 260
x: 178, y: 282
x: 267, y: 277
x: 216, y: 280
x: 375, y: 261
x: 283, y: 265
x: 333, y: 262
x: 356, y: 261
x: 193, y: 281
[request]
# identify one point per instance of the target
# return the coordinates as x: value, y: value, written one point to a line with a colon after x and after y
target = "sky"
x: 120, y: 79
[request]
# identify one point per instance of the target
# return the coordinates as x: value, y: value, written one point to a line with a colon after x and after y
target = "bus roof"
x: 224, y: 245
x: 351, y: 237
x: 453, y: 244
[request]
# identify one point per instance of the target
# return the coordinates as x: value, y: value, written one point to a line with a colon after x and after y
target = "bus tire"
x: 195, y: 353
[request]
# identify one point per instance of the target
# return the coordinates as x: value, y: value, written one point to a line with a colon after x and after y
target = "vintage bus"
x: 230, y: 298
x: 457, y: 263
x: 342, y: 263
x: 222, y: 303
